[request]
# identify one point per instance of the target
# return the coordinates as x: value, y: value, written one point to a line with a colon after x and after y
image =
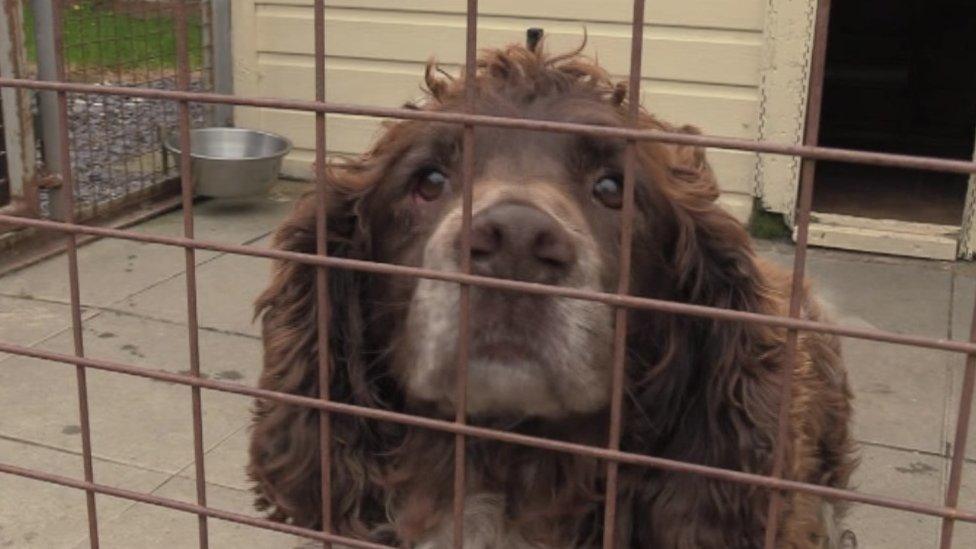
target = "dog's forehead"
x: 507, y: 152
x: 503, y: 151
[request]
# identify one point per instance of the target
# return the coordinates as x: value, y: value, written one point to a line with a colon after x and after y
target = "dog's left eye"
x: 609, y: 190
x: 430, y: 185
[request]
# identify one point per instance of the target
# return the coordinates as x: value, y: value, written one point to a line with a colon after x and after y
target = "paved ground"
x: 134, y: 312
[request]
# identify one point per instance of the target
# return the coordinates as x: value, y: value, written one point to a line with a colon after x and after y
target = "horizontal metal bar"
x: 187, y: 507
x: 502, y: 436
x: 731, y: 143
x: 616, y: 300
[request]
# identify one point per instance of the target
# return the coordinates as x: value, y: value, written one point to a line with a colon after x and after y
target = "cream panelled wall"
x: 701, y: 62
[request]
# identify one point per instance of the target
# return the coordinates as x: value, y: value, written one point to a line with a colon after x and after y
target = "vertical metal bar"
x: 963, y: 420
x: 322, y: 276
x: 206, y: 76
x: 464, y: 320
x: 48, y: 55
x: 87, y: 47
x: 121, y: 39
x: 623, y: 281
x: 64, y: 152
x: 156, y: 168
x: 807, y: 172
x: 183, y: 84
x: 18, y: 129
x: 162, y: 13
x: 222, y: 56
x: 132, y: 78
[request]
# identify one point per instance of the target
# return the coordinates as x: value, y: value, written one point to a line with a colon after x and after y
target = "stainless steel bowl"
x: 230, y: 162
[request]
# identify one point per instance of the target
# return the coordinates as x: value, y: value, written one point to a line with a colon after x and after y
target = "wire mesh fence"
x: 181, y: 99
x: 116, y: 142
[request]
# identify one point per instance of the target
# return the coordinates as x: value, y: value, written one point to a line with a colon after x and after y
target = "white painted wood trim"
x: 247, y: 75
x: 785, y: 69
x: 891, y: 225
x: 737, y: 204
x: 967, y: 234
x: 926, y: 246
x: 885, y: 236
x: 17, y: 117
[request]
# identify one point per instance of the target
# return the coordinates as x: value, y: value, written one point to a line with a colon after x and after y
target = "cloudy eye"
x: 430, y: 184
x: 609, y: 190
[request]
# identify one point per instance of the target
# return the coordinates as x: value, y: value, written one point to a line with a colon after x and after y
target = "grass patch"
x: 767, y: 225
x: 97, y: 36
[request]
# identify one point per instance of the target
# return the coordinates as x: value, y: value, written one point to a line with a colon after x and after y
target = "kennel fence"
x: 116, y: 149
x: 613, y: 457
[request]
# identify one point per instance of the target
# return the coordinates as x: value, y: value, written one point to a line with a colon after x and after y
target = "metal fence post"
x: 47, y: 69
x: 18, y: 129
x: 223, y: 60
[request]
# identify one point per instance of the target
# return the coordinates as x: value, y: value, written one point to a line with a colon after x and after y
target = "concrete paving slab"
x: 112, y: 269
x: 27, y: 321
x: 109, y: 270
x: 901, y: 295
x: 963, y: 297
x: 964, y: 293
x: 232, y: 221
x: 231, y: 454
x: 148, y: 526
x: 964, y: 533
x: 957, y: 367
x: 35, y: 514
x: 163, y: 345
x: 902, y: 474
x: 899, y: 394
x: 134, y: 420
x: 226, y: 290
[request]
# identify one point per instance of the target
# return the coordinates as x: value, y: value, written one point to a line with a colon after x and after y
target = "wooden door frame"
x: 785, y: 76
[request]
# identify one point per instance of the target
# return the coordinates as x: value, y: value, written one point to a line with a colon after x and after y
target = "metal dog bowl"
x: 230, y: 162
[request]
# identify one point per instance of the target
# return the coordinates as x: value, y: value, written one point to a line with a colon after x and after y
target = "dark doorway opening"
x: 900, y: 78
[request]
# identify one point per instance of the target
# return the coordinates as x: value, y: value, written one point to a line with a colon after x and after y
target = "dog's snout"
x: 521, y: 242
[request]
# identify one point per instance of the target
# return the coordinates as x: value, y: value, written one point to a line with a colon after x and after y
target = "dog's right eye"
x: 609, y: 190
x: 430, y: 185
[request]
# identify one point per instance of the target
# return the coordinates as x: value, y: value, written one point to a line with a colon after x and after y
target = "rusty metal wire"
x: 730, y: 143
x: 196, y: 404
x: 811, y: 135
x: 322, y: 276
x: 75, y: 295
x: 620, y: 300
x: 464, y: 299
x: 4, y: 167
x: 116, y: 143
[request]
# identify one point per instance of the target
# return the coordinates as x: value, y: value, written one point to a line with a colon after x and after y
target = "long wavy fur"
x: 699, y: 390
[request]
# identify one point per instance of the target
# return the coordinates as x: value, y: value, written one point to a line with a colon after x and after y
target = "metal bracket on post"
x: 47, y: 69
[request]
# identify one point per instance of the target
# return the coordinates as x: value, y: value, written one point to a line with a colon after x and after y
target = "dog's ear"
x: 691, y: 165
x: 710, y: 385
x: 285, y: 451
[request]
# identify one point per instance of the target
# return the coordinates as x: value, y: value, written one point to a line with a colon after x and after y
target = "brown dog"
x: 546, y: 209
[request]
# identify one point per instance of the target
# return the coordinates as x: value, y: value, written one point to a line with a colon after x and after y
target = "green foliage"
x: 100, y: 37
x: 767, y: 225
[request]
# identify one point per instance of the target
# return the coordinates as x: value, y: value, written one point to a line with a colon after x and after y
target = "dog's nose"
x: 520, y: 242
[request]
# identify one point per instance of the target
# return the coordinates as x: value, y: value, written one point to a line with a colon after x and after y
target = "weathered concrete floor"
x: 134, y: 297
